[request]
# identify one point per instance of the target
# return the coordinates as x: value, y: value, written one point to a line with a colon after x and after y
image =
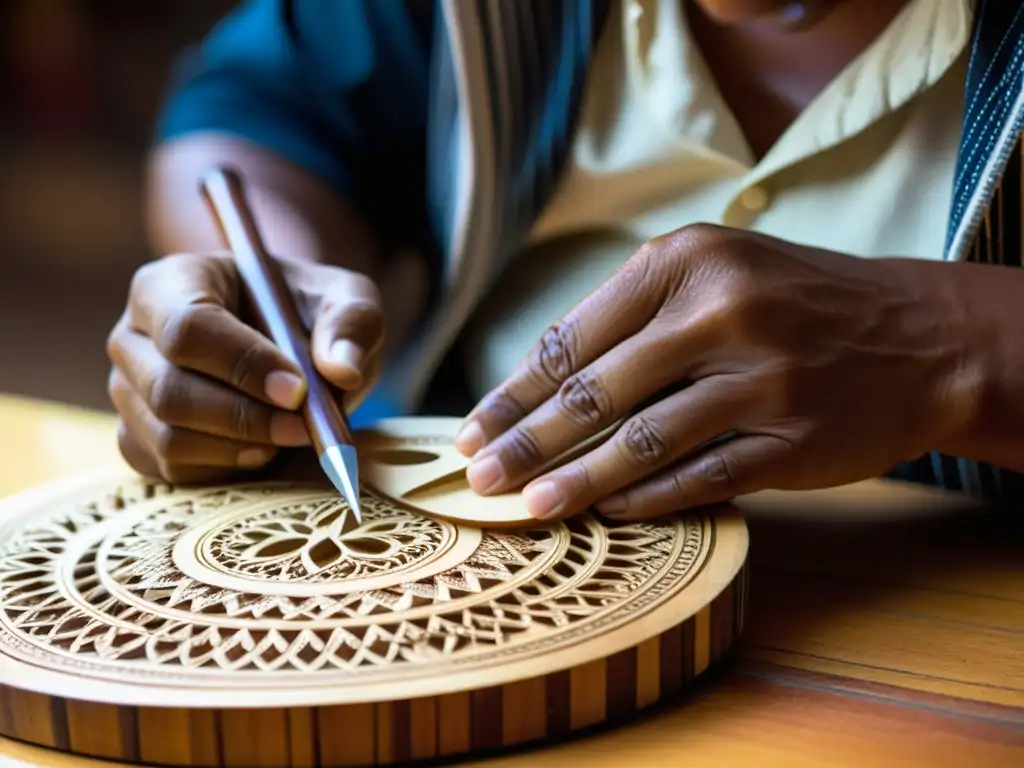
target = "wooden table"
x: 887, y: 629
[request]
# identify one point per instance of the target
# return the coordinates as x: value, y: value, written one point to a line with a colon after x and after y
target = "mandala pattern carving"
x: 264, y: 583
x: 308, y: 542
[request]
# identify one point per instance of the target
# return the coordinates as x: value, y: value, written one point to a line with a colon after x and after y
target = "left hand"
x: 816, y: 367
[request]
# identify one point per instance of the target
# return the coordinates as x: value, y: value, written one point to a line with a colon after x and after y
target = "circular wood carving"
x: 249, y: 625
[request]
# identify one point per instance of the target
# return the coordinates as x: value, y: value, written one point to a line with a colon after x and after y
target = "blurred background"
x: 80, y: 85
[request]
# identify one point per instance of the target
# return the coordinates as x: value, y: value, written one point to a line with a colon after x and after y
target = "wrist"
x: 957, y: 367
x: 968, y: 394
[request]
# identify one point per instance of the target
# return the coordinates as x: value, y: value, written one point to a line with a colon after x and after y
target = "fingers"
x: 156, y: 449
x: 734, y: 468
x: 646, y: 442
x: 187, y: 306
x: 134, y: 452
x: 352, y: 400
x: 615, y: 311
x: 587, y: 402
x: 183, y: 399
x: 200, y: 393
x: 348, y: 331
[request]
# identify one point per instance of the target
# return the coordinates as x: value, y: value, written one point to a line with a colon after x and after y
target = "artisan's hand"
x: 202, y: 394
x: 817, y: 368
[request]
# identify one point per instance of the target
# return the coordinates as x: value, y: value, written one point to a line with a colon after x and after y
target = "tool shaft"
x: 275, y: 308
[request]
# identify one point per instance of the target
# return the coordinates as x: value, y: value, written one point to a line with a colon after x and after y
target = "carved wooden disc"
x: 244, y: 625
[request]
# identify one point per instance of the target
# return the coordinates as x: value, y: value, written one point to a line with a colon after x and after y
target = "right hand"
x: 200, y: 393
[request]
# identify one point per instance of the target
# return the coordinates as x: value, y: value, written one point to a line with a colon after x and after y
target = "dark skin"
x: 767, y: 68
x: 201, y: 395
x: 828, y: 369
x: 737, y: 362
x: 818, y: 368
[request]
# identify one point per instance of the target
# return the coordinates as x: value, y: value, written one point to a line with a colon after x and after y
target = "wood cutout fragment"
x: 236, y: 624
x: 438, y: 486
x: 415, y: 460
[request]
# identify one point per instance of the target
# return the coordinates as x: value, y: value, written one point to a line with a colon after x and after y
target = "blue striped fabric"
x: 994, y: 80
x: 991, y: 128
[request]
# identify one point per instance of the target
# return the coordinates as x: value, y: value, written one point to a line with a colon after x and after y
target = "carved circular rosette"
x: 253, y: 620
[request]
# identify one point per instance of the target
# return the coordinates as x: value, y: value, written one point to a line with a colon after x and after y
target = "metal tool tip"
x: 342, y: 466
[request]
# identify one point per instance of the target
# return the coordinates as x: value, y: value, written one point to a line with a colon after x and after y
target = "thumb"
x: 348, y: 329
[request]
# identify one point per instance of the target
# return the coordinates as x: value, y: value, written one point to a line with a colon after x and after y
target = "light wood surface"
x: 885, y: 628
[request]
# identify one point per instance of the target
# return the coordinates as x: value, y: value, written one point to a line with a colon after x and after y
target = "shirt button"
x: 754, y: 199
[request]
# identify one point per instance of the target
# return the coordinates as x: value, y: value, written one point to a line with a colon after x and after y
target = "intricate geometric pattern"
x: 168, y: 587
x: 308, y: 542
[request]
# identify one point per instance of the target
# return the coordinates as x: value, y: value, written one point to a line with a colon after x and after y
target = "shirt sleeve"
x: 337, y: 87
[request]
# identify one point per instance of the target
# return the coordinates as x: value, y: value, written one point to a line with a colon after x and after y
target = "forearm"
x: 990, y: 383
x: 300, y: 216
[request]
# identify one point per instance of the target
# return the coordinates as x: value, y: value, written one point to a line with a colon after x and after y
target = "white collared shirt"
x: 866, y: 168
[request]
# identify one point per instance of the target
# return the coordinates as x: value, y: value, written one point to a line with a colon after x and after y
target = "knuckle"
x: 164, y: 396
x: 243, y: 419
x: 114, y: 343
x: 577, y: 476
x: 355, y: 291
x: 502, y: 408
x: 680, y: 486
x: 717, y: 472
x: 365, y: 318
x: 642, y: 442
x: 117, y: 387
x: 556, y: 354
x: 368, y: 290
x: 248, y: 366
x: 361, y: 315
x: 701, y: 234
x: 521, y: 449
x: 639, y: 271
x: 130, y: 452
x: 141, y: 279
x: 165, y: 442
x: 180, y: 332
x: 700, y: 246
x: 696, y: 240
x: 153, y: 272
x: 585, y: 399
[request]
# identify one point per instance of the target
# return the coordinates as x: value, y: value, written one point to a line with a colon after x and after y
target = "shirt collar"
x: 910, y: 55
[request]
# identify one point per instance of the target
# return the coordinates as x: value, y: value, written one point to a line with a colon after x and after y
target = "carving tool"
x: 275, y: 307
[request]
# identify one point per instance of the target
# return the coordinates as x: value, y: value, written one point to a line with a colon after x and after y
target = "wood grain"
x: 827, y: 596
x: 483, y: 720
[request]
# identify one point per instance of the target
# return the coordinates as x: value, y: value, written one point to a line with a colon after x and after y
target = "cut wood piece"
x: 414, y: 460
x: 246, y: 625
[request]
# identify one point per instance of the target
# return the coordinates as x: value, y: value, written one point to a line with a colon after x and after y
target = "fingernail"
x: 543, y: 499
x: 288, y: 430
x: 613, y: 506
x: 485, y: 474
x: 284, y: 389
x: 251, y: 458
x: 470, y: 439
x: 344, y: 352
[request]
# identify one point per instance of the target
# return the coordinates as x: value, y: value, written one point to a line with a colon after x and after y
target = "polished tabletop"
x: 886, y: 628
